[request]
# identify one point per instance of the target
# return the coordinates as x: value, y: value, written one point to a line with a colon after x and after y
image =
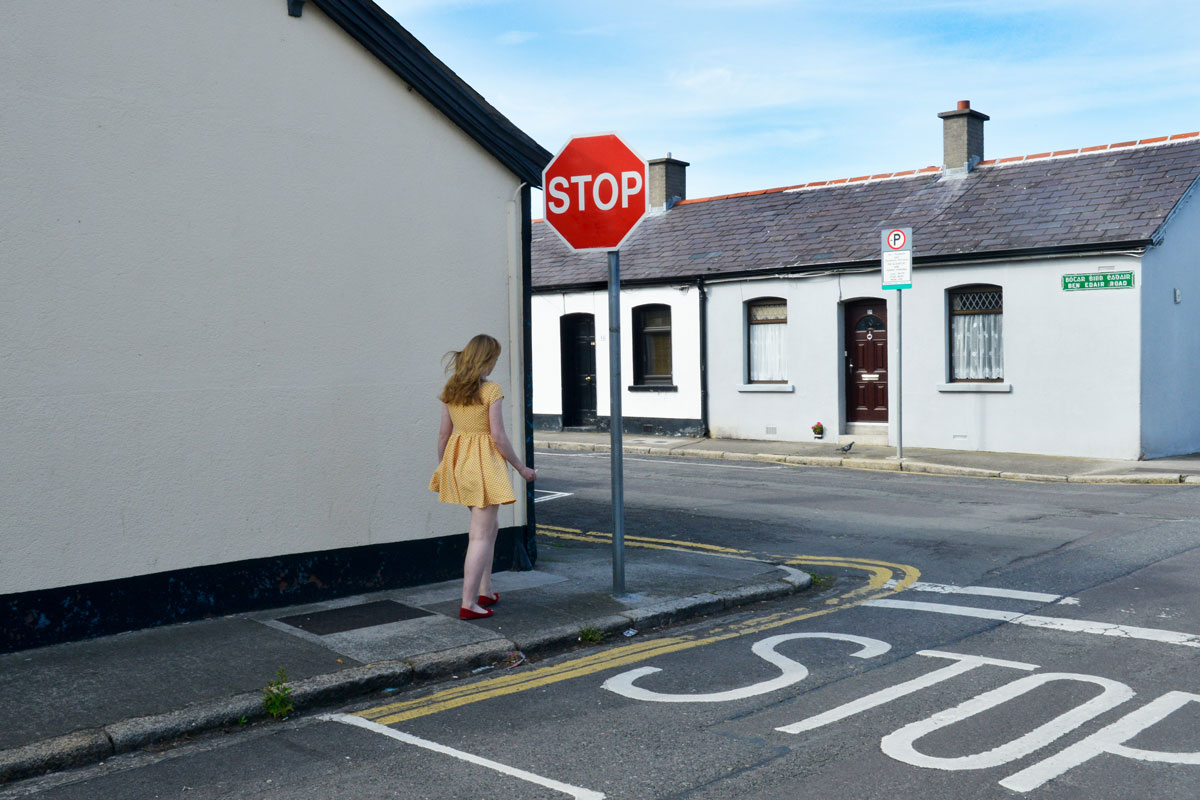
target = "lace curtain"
x: 977, y: 346
x: 767, y: 352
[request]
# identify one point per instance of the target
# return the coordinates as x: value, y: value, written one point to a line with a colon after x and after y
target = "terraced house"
x: 1053, y: 309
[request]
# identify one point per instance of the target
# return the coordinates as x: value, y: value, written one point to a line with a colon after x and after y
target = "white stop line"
x: 407, y: 738
x: 1053, y: 623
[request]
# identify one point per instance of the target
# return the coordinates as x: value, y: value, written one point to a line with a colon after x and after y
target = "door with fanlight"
x: 866, y: 361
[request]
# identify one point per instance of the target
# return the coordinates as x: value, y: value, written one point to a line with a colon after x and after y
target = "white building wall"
x: 235, y: 249
x: 1171, y: 337
x: 785, y: 412
x: 1072, y: 361
x: 681, y: 404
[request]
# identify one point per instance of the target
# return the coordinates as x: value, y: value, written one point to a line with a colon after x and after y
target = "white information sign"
x: 896, y: 257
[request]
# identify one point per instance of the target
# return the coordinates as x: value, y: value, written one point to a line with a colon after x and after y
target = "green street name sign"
x: 1097, y: 280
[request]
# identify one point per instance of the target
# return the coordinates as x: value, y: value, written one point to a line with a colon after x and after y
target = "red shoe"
x: 467, y: 613
x: 486, y: 601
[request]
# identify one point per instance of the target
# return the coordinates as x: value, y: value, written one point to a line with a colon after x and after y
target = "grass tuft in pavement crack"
x: 591, y: 635
x: 277, y: 697
x: 821, y: 582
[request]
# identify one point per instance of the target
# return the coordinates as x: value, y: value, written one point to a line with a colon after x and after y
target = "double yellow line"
x: 879, y: 573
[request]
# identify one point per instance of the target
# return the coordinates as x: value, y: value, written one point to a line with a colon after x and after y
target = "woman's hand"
x: 530, y: 475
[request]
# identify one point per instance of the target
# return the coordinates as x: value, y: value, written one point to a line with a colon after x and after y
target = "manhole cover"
x: 350, y: 618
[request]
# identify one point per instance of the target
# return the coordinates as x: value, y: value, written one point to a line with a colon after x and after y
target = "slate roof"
x: 401, y: 52
x: 1104, y: 198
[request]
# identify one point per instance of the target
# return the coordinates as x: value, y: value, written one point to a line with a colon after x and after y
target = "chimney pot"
x: 963, y: 105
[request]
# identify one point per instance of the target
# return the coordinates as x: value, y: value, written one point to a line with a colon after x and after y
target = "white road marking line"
x: 549, y: 783
x: 1053, y: 623
x: 657, y: 460
x: 962, y: 663
x: 549, y: 495
x: 985, y: 591
x: 1110, y: 739
x: 900, y: 744
x: 790, y: 671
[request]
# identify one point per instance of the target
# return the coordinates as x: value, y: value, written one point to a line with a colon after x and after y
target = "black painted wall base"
x: 644, y: 426
x: 84, y: 611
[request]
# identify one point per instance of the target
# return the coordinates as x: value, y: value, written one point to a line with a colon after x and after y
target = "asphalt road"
x: 1049, y: 649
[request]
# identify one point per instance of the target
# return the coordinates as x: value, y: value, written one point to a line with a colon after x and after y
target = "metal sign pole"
x: 895, y: 263
x: 899, y: 373
x: 614, y: 384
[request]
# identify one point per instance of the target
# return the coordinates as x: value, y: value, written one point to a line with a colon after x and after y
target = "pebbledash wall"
x: 236, y: 247
x: 660, y: 410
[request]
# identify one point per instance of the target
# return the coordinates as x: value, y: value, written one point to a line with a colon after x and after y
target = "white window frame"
x: 769, y: 333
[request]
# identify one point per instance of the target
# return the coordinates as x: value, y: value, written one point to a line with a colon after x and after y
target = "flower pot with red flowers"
x: 818, y: 431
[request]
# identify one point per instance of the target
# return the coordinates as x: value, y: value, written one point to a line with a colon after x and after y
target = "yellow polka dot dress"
x: 472, y: 472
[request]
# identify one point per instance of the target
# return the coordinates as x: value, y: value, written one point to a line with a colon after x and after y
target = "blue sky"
x: 763, y: 93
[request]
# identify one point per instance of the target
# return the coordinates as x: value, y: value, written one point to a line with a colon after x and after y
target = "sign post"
x: 896, y: 263
x: 596, y: 194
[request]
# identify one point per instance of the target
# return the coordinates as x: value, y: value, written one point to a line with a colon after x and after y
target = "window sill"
x: 651, y: 387
x: 967, y: 386
x: 766, y: 387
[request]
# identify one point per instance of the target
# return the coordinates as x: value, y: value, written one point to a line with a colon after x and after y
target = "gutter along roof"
x: 401, y: 52
x: 1096, y: 199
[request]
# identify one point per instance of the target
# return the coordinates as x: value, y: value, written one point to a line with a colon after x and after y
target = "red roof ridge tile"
x: 1094, y: 149
x: 994, y: 162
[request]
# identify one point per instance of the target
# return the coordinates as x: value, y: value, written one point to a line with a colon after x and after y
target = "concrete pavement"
x: 79, y: 703
x: 1010, y: 466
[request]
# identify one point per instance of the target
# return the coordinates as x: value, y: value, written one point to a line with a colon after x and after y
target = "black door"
x: 578, y: 338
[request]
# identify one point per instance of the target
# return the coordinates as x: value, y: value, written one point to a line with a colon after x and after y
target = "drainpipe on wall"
x: 525, y: 545
x: 703, y: 356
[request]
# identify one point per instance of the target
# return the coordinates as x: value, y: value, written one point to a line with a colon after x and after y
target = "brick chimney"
x: 668, y: 182
x: 962, y: 137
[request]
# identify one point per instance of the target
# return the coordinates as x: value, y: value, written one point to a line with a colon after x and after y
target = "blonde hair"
x: 469, y: 366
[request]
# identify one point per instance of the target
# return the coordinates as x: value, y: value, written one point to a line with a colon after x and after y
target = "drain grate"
x: 350, y: 618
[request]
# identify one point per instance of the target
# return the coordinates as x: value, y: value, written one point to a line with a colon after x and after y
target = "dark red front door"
x: 866, y: 361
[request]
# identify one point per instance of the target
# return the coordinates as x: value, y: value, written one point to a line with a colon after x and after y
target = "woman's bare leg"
x: 481, y: 545
x: 485, y: 582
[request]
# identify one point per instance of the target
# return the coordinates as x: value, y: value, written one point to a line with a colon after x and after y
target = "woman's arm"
x: 496, y: 424
x: 444, y: 431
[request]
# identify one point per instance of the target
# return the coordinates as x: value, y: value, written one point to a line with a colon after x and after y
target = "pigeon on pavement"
x: 846, y: 448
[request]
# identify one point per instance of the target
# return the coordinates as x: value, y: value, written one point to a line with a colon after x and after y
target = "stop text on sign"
x: 604, y: 193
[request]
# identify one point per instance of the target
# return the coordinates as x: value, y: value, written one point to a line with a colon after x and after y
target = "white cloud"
x: 516, y: 37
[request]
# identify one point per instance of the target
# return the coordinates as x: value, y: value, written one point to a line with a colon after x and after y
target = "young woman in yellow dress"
x: 472, y: 451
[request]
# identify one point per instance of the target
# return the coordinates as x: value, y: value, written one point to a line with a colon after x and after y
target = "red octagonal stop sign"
x: 596, y: 192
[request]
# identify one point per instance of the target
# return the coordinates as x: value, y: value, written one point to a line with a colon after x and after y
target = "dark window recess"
x: 652, y: 345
